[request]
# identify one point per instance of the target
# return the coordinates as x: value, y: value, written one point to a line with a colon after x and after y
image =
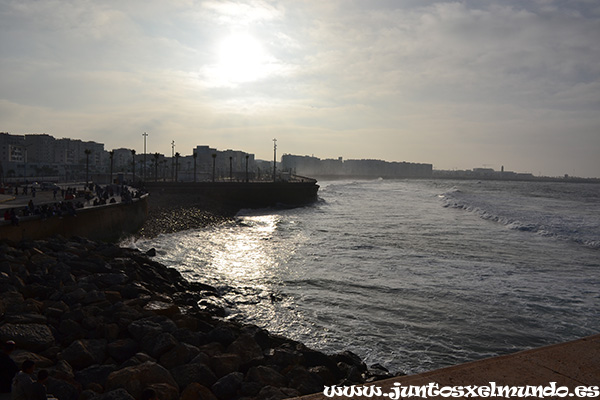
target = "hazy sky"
x: 459, y: 84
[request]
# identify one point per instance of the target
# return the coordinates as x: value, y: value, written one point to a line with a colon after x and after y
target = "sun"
x: 241, y: 58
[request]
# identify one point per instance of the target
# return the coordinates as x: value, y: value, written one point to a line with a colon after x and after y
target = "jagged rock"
x: 165, y: 391
x: 33, y: 337
x: 227, y: 387
x: 266, y: 376
x: 189, y: 373
x: 136, y: 378
x: 222, y: 334
x: 195, y: 391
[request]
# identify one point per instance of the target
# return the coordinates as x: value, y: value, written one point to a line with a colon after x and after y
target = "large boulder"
x: 196, y: 391
x: 32, y: 337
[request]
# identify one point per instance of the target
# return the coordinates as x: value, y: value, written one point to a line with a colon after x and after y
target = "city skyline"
x: 456, y: 84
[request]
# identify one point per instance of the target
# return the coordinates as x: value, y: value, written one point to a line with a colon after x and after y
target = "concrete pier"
x: 571, y: 364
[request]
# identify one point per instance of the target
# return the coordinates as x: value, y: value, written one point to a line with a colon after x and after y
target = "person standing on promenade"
x: 22, y: 382
x: 8, y: 369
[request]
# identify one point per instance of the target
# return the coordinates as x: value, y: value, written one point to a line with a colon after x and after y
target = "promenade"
x: 570, y: 364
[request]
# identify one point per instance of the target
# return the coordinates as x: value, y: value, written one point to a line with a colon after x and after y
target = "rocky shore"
x: 109, y: 322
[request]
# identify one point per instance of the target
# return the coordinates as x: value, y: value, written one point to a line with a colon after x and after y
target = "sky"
x: 458, y: 84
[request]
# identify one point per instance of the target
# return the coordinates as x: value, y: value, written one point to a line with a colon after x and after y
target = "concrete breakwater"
x: 109, y: 322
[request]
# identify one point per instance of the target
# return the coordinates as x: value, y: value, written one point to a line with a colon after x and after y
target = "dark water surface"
x: 414, y: 275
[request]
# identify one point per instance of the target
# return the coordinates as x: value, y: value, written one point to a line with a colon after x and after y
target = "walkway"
x: 569, y: 364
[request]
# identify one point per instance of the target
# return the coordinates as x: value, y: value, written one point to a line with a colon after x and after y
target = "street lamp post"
x: 133, y: 155
x: 172, y: 159
x: 145, y: 135
x: 274, y: 158
x: 111, y: 154
x: 176, y: 165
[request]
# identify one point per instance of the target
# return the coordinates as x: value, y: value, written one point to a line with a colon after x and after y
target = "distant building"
x: 313, y: 166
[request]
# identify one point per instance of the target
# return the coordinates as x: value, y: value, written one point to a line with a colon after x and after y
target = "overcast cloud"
x: 459, y: 84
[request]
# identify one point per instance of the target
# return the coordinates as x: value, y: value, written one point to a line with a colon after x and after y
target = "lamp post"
x: 111, y: 154
x: 274, y: 158
x: 145, y: 135
x: 230, y: 169
x: 172, y: 159
x: 176, y: 165
x: 133, y: 155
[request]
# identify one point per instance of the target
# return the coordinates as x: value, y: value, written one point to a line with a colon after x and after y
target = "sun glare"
x: 241, y: 58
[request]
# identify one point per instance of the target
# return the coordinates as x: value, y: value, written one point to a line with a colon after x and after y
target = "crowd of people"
x: 73, y: 199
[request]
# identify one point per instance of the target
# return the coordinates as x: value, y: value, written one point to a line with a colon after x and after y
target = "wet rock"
x: 274, y: 393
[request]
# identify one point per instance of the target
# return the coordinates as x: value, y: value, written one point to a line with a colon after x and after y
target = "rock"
x: 165, y: 391
x: 62, y: 389
x: 305, y: 382
x: 223, y: 364
x: 32, y: 337
x: 117, y: 394
x: 136, y: 378
x: 122, y: 349
x: 83, y: 353
x: 159, y: 345
x: 222, y: 334
x: 162, y: 308
x: 20, y: 355
x: 273, y: 393
x: 195, y: 391
x: 180, y: 354
x: 189, y: 373
x: 227, y: 387
x: 94, y: 374
x: 151, y: 252
x: 246, y: 348
x: 265, y: 376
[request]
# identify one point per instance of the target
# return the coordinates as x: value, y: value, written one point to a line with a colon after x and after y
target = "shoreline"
x: 108, y: 321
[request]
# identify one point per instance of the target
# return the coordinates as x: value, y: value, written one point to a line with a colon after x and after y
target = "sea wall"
x: 106, y: 222
x: 232, y: 194
x: 109, y: 322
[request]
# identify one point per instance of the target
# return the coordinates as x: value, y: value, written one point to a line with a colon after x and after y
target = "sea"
x: 413, y: 275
